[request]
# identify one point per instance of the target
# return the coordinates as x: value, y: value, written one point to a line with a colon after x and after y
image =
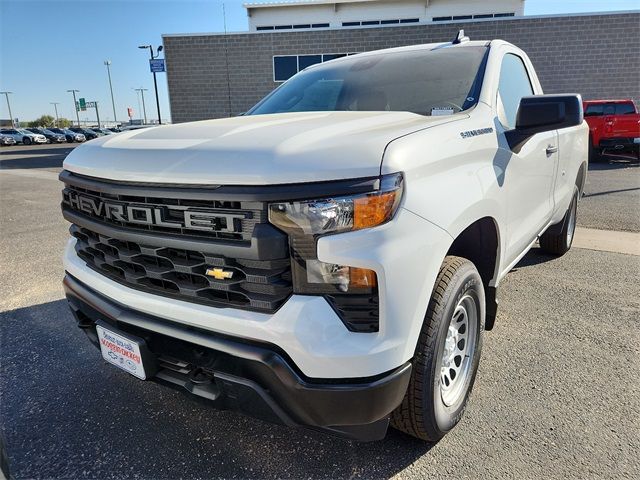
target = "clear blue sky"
x: 48, y: 47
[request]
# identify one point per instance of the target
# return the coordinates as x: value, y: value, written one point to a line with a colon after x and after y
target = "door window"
x: 514, y: 84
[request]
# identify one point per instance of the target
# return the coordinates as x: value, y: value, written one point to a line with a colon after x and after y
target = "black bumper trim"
x: 255, y: 378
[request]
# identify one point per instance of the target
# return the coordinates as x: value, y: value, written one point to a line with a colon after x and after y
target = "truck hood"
x: 251, y: 150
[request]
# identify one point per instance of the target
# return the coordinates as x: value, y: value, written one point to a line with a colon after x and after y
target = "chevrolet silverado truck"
x: 330, y: 259
x: 614, y: 128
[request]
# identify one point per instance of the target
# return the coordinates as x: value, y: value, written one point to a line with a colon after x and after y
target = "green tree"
x: 43, y: 121
x: 64, y: 123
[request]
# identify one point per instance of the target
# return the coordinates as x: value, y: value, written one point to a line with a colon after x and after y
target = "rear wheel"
x: 26, y: 140
x: 558, y: 238
x: 595, y: 154
x: 447, y: 354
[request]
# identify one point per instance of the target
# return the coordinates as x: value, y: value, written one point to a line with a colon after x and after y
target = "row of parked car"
x: 30, y: 136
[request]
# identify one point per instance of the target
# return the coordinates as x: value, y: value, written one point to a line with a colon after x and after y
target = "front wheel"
x: 447, y: 355
x: 558, y: 238
x: 26, y: 140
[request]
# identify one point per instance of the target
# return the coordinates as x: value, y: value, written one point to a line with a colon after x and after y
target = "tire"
x: 26, y: 140
x: 595, y: 155
x: 435, y: 401
x: 558, y: 238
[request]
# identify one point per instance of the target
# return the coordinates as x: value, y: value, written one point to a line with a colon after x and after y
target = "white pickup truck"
x: 329, y: 259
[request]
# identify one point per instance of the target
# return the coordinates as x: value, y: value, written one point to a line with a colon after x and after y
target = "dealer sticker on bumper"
x: 121, y: 352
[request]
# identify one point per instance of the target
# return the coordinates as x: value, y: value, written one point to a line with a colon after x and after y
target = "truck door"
x: 529, y: 174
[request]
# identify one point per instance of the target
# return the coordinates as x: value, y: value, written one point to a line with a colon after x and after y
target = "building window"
x: 469, y: 17
x: 291, y: 27
x: 366, y: 23
x: 286, y: 66
x: 305, y: 61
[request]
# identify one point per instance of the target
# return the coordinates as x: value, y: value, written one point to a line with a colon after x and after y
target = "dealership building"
x: 212, y: 75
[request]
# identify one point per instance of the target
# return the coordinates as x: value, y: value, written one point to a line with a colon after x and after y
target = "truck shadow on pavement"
x: 66, y: 413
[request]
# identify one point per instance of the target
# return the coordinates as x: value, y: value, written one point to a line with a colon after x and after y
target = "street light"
x: 155, y: 82
x: 55, y: 105
x: 6, y: 94
x: 144, y: 109
x: 75, y: 105
x: 113, y: 104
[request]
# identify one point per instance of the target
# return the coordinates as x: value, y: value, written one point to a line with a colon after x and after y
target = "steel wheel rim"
x: 572, y: 223
x: 458, y: 350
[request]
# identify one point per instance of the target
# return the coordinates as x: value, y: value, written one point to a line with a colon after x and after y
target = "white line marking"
x: 607, y: 241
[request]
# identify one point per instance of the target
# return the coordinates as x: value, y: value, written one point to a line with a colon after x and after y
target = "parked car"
x: 52, y: 137
x: 69, y: 135
x: 344, y: 270
x: 87, y: 132
x: 23, y: 136
x: 6, y: 140
x: 614, y: 127
x: 103, y: 131
x: 115, y: 130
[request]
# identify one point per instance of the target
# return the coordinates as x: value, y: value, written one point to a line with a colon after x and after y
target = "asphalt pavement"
x: 556, y: 394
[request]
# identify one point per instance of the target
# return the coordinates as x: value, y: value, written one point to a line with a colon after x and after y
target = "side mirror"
x: 544, y: 113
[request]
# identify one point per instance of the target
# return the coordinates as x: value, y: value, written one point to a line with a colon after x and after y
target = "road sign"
x: 83, y: 104
x: 156, y: 65
x: 91, y: 104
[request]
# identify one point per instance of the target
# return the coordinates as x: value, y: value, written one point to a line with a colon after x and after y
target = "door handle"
x: 551, y: 149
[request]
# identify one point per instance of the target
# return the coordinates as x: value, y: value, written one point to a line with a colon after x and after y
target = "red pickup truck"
x: 614, y: 127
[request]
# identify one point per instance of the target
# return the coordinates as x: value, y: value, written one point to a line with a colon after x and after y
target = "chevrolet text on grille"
x: 145, y: 215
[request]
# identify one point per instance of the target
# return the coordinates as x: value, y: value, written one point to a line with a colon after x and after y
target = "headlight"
x: 351, y: 291
x: 340, y: 214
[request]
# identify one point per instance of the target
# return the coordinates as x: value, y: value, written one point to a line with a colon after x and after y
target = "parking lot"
x: 556, y: 394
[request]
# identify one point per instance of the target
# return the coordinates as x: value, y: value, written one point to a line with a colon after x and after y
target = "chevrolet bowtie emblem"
x: 219, y: 274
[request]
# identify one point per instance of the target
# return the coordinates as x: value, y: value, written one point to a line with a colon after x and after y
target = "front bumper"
x: 252, y: 377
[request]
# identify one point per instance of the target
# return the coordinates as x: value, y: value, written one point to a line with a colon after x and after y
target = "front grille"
x: 259, y: 285
x: 167, y: 215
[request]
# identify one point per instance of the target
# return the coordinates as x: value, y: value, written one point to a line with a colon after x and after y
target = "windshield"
x: 427, y: 82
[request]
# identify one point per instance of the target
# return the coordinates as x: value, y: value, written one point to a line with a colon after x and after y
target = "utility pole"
x: 98, y: 114
x: 155, y: 81
x: 113, y: 103
x: 144, y: 109
x: 75, y: 105
x: 6, y: 94
x: 55, y: 105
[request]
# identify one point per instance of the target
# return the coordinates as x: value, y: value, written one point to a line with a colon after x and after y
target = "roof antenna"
x: 460, y: 38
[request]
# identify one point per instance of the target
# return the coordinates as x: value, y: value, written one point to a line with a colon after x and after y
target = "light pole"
x: 75, y: 105
x: 6, y: 94
x: 55, y: 105
x: 144, y: 109
x: 138, y: 98
x: 155, y: 82
x: 113, y: 104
